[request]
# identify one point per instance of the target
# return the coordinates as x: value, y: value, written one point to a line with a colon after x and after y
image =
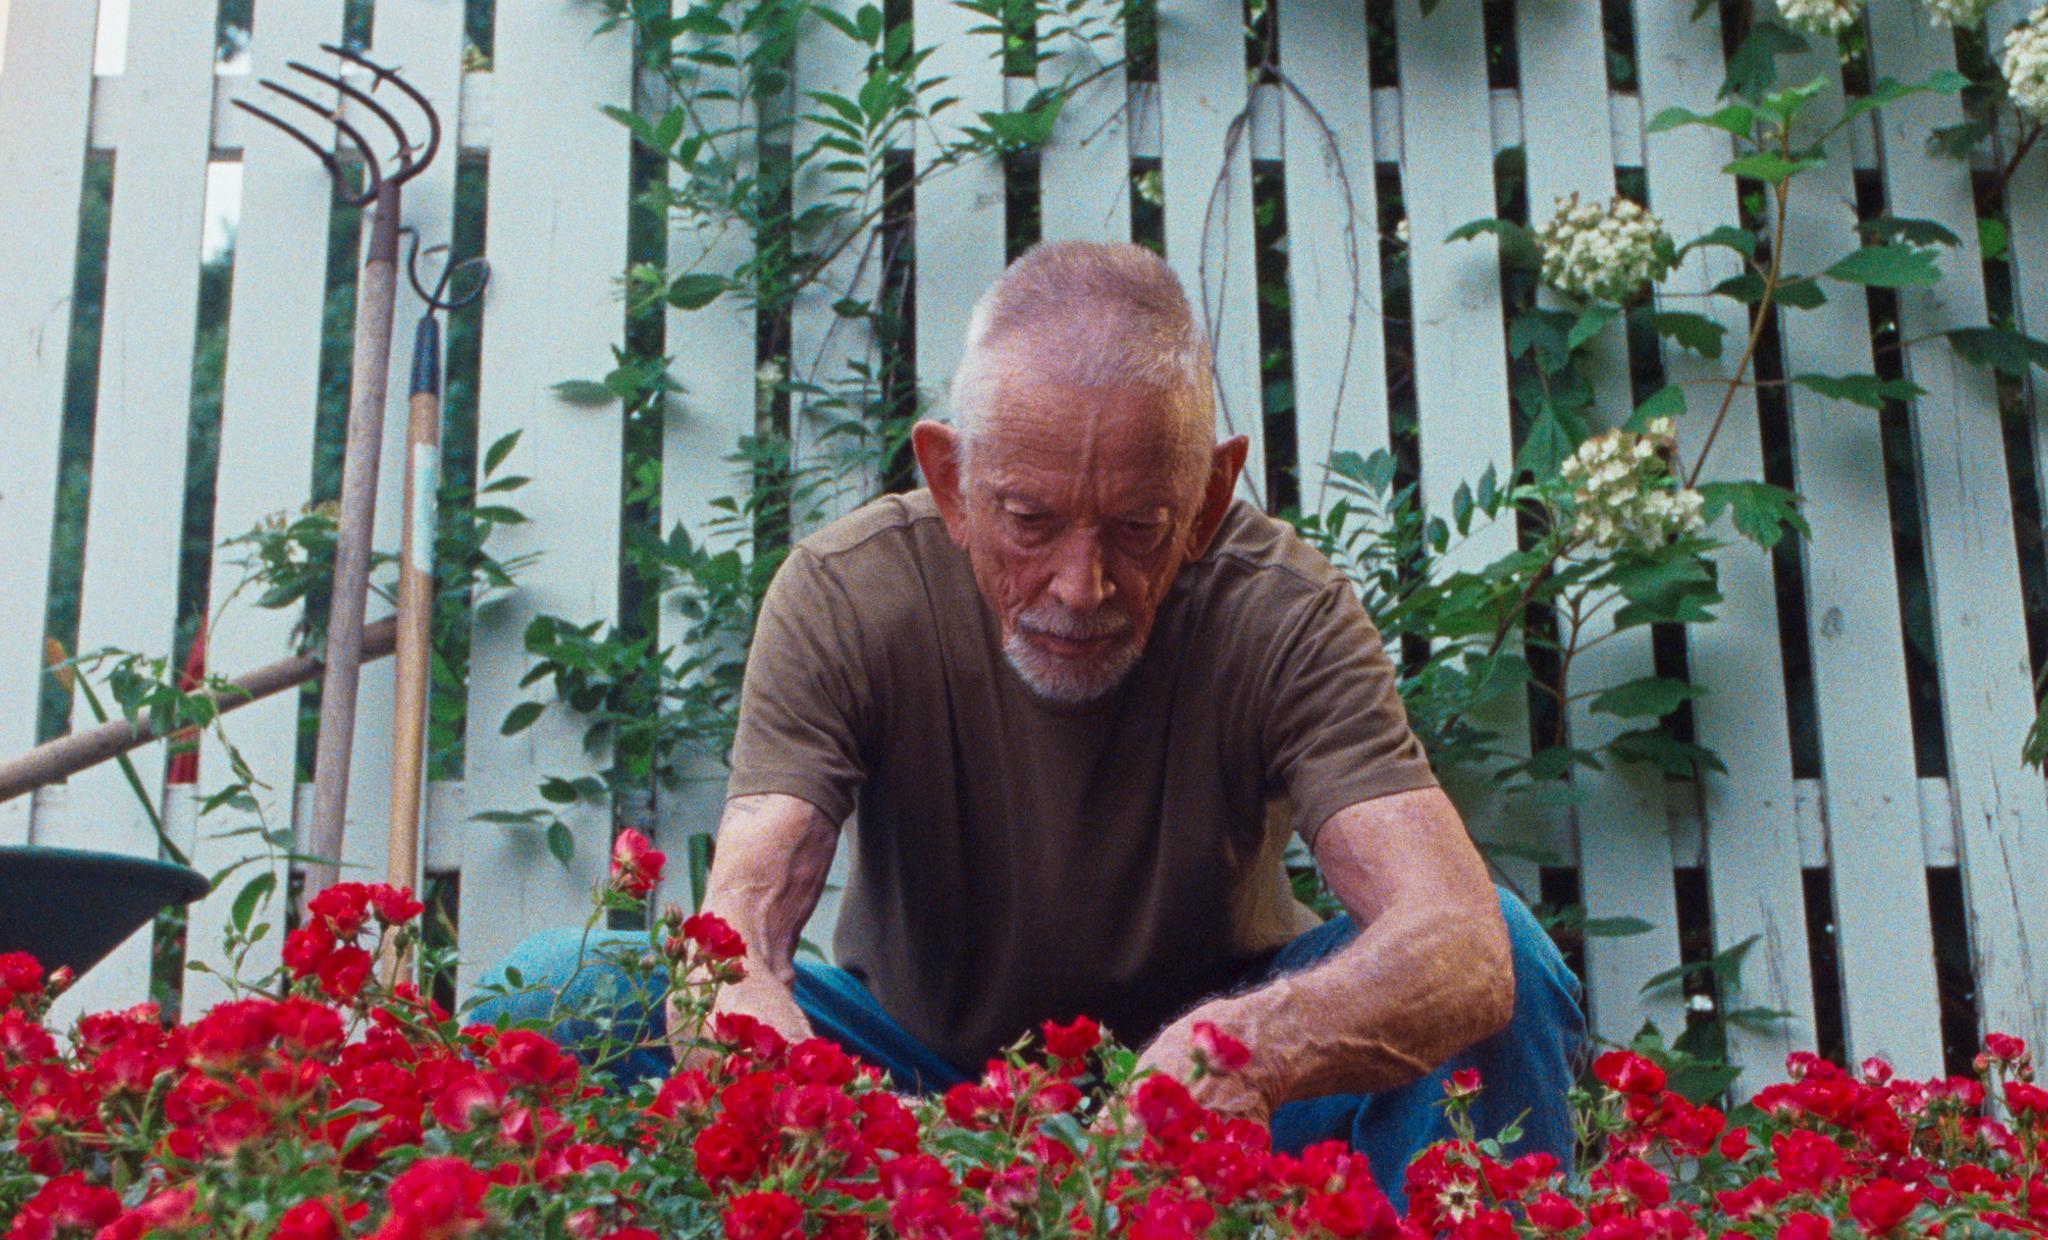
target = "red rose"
x: 1462, y: 1085
x: 65, y: 1204
x: 724, y: 1152
x: 1551, y: 1212
x: 763, y: 1216
x: 320, y: 1218
x: 636, y: 863
x: 1882, y: 1205
x: 1218, y: 1050
x: 529, y: 1060
x: 345, y: 907
x: 1807, y: 1161
x: 1072, y: 1040
x: 394, y: 906
x: 1626, y: 1072
x: 714, y: 937
x: 1804, y: 1226
x: 21, y: 976
x: 167, y: 1211
x: 2026, y: 1100
x: 756, y: 1039
x: 307, y: 948
x: 475, y: 1096
x: 435, y: 1199
x: 818, y: 1061
x: 342, y: 974
x: 1165, y: 1107
x: 2004, y: 1047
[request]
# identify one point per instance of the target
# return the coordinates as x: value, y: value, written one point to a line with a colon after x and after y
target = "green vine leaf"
x: 1740, y: 240
x: 520, y: 718
x: 1890, y: 90
x: 1889, y: 227
x: 1770, y: 167
x: 583, y: 392
x: 1888, y: 266
x: 1666, y: 402
x: 1646, y: 696
x: 2000, y: 348
x: 1518, y: 245
x: 1753, y: 68
x: 1691, y: 331
x: 1676, y: 758
x: 1761, y: 512
x: 1866, y: 390
x: 695, y: 290
x: 1738, y: 119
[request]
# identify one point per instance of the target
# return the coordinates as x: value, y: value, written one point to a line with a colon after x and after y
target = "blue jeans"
x: 1526, y: 1067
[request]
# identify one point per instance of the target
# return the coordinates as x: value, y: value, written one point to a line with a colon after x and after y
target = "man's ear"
x: 937, y: 447
x: 1226, y: 462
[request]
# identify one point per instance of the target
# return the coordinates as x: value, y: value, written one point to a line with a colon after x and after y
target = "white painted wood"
x: 266, y: 448
x: 714, y: 351
x: 1460, y: 347
x: 1333, y: 244
x: 826, y: 347
x: 1206, y: 171
x: 1084, y: 174
x: 2026, y: 214
x: 1973, y: 565
x: 45, y: 92
x: 1624, y: 842
x: 960, y: 210
x: 1752, y: 839
x: 128, y: 596
x: 425, y: 38
x: 559, y: 172
x: 1885, y: 939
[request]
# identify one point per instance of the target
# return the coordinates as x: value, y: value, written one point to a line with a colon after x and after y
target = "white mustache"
x: 1053, y: 620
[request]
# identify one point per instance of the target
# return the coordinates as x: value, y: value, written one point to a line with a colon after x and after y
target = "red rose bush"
x: 325, y: 1103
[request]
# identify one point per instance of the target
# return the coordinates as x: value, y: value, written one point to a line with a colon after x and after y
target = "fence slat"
x: 269, y: 396
x: 425, y: 39
x: 960, y: 210
x: 1333, y: 244
x: 1885, y: 939
x: 829, y: 352
x: 1752, y: 835
x: 1460, y: 348
x: 1084, y: 173
x: 714, y: 350
x: 559, y: 170
x: 45, y: 114
x: 2026, y: 215
x: 1972, y: 561
x: 1623, y: 824
x: 1206, y: 170
x: 128, y: 595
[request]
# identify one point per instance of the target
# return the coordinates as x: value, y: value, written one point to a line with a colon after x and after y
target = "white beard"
x: 1071, y: 681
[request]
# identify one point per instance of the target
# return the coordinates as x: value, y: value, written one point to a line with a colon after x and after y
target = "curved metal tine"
x: 321, y: 153
x: 348, y: 131
x: 381, y: 112
x: 384, y: 73
x: 438, y: 299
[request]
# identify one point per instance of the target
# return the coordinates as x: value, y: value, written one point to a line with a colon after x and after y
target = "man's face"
x: 1076, y: 513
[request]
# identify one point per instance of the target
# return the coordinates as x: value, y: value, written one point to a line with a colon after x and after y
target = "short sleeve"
x: 1335, y: 731
x: 806, y: 697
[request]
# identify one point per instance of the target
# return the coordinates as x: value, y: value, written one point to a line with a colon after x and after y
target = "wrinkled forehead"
x: 1130, y: 438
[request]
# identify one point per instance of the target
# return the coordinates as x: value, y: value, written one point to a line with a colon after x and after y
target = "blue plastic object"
x: 65, y: 906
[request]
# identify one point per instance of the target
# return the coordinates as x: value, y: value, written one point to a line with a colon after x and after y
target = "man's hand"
x: 1428, y: 975
x: 1233, y: 1093
x: 769, y: 870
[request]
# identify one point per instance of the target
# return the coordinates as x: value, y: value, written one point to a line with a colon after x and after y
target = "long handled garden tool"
x: 416, y: 568
x: 376, y: 299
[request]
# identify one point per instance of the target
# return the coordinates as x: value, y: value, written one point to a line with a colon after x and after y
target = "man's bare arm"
x: 769, y: 870
x: 1429, y: 974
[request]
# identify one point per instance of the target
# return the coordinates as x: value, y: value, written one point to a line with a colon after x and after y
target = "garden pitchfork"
x: 376, y: 296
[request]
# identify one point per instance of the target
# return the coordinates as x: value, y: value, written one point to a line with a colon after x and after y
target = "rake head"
x: 408, y: 158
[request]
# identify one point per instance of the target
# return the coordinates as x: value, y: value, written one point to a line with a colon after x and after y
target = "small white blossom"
x: 1623, y: 492
x: 1401, y: 232
x: 1605, y: 254
x: 2026, y: 64
x: 769, y: 373
x: 1963, y: 13
x: 1821, y: 17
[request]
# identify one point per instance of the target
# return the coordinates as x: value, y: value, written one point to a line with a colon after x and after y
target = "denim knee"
x: 584, y: 989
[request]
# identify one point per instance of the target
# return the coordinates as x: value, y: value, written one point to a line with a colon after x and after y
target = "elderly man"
x: 1062, y: 686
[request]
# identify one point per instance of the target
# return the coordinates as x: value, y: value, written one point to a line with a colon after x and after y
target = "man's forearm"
x: 1416, y: 986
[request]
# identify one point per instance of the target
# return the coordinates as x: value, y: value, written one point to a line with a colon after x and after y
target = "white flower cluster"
x: 1605, y: 253
x: 1624, y: 493
x: 1960, y: 13
x: 2026, y: 64
x: 1821, y: 17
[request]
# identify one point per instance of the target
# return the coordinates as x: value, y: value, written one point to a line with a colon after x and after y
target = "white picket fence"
x: 558, y: 180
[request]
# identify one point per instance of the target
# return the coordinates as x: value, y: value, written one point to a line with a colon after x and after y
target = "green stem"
x: 134, y: 778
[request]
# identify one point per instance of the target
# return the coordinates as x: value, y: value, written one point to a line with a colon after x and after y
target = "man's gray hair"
x: 1088, y: 314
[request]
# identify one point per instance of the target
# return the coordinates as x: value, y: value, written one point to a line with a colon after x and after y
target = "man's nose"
x: 1078, y: 581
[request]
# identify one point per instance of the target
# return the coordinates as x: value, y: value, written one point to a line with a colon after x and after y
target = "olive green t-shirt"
x: 1017, y: 859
